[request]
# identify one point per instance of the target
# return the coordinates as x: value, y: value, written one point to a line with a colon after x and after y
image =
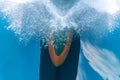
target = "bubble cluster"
x: 39, y: 18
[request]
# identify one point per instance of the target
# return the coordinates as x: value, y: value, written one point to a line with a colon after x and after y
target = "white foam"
x: 103, y: 61
x: 35, y: 17
x: 109, y: 6
x: 20, y: 1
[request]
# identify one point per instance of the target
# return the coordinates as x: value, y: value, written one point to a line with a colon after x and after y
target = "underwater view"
x: 23, y: 23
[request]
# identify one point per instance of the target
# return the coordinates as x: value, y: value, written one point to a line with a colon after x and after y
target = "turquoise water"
x: 20, y: 59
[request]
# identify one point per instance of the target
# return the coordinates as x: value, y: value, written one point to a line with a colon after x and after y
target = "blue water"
x: 99, y: 56
x: 18, y: 61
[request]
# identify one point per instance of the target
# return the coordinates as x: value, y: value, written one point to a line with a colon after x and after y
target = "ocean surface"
x: 24, y: 22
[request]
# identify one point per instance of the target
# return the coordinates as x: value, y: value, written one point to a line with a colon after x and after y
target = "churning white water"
x: 40, y: 18
x: 35, y: 17
x: 103, y: 61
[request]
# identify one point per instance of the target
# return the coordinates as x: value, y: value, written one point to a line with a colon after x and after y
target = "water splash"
x: 102, y: 61
x: 109, y: 6
x: 30, y: 18
x: 37, y: 17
